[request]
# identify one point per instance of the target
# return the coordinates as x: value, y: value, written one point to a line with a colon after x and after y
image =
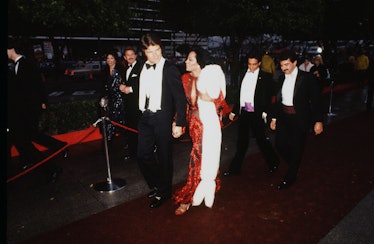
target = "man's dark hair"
x: 150, y: 39
x: 288, y: 54
x: 256, y: 54
x: 16, y: 43
x: 128, y: 48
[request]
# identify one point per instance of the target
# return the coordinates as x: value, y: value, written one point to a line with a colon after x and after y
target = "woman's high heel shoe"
x: 182, y: 209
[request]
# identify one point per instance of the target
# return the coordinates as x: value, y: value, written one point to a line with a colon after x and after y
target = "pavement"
x: 91, y: 181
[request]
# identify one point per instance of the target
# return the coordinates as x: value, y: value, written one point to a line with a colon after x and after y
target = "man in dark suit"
x: 163, y: 103
x: 252, y: 107
x: 298, y: 103
x: 26, y: 100
x: 131, y: 97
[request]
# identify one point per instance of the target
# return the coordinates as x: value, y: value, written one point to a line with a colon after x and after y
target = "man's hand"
x: 177, y: 131
x: 273, y: 124
x: 318, y: 128
x: 125, y: 89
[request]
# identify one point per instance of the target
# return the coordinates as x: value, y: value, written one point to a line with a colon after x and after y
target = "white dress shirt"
x: 248, y: 87
x: 128, y: 71
x: 288, y: 88
x: 17, y: 64
x: 150, y: 86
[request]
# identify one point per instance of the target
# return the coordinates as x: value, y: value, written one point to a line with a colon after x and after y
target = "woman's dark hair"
x: 202, y: 56
x: 112, y: 52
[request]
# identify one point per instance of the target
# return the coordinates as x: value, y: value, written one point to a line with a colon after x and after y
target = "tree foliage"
x: 349, y: 20
x: 246, y: 18
x: 68, y: 17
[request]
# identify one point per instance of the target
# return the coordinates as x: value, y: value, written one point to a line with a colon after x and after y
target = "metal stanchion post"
x: 330, y: 113
x: 110, y: 185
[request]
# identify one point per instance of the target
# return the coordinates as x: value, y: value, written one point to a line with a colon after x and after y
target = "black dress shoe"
x: 54, y: 176
x: 273, y: 168
x: 230, y: 173
x: 128, y: 156
x: 65, y: 153
x: 152, y: 193
x: 285, y: 185
x: 27, y: 165
x: 157, y: 202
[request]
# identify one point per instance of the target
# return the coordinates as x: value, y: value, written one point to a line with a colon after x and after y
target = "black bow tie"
x: 130, y: 65
x: 150, y: 65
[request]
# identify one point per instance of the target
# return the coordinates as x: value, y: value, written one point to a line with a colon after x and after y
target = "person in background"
x: 268, y: 64
x: 319, y: 70
x: 162, y: 101
x: 205, y: 87
x: 361, y: 65
x: 298, y: 103
x: 131, y: 90
x: 26, y: 101
x: 370, y: 86
x: 306, y: 65
x: 252, y: 107
x: 114, y: 76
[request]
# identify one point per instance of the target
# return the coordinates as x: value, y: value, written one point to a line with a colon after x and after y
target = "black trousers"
x: 252, y: 123
x: 155, y: 152
x: 23, y: 130
x: 132, y: 121
x: 291, y: 134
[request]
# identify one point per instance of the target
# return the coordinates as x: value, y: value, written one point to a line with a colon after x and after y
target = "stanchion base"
x: 110, y: 186
x: 331, y: 114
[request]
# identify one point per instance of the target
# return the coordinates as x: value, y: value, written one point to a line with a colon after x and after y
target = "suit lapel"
x: 258, y: 84
x: 298, y: 82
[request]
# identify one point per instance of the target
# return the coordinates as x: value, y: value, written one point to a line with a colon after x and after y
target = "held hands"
x: 177, y: 131
x: 231, y: 116
x: 318, y: 128
x: 125, y: 89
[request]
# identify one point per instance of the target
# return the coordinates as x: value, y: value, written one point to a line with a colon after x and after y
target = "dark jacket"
x: 263, y: 93
x: 306, y: 99
x: 26, y: 92
x: 132, y: 99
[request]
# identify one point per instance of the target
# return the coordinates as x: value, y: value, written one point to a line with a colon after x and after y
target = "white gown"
x: 211, y: 80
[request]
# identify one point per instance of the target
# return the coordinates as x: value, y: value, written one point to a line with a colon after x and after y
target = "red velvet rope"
x: 89, y: 132
x: 92, y: 129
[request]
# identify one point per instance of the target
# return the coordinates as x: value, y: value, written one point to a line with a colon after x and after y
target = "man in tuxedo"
x: 26, y: 100
x: 298, y: 104
x: 131, y: 97
x: 252, y: 107
x: 163, y: 103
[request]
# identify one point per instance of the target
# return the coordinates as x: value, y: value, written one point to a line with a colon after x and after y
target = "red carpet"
x: 336, y: 173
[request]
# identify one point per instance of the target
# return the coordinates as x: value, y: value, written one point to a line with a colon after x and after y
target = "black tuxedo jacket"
x: 132, y: 99
x: 26, y: 92
x: 306, y: 98
x: 263, y: 93
x: 173, y: 99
